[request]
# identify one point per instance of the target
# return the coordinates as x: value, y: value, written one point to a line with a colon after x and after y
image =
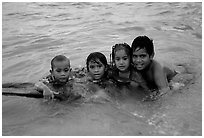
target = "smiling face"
x: 61, y: 71
x: 122, y: 60
x: 96, y: 69
x: 141, y: 59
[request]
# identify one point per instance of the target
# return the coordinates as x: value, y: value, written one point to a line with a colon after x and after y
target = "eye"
x: 125, y: 58
x: 91, y: 67
x: 58, y: 70
x: 100, y: 65
x: 117, y: 59
x: 66, y: 70
x: 134, y: 56
x: 143, y: 56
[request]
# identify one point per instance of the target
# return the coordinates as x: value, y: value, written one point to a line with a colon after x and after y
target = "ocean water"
x: 33, y: 33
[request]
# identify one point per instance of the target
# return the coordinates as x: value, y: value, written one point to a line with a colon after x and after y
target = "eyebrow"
x: 122, y: 56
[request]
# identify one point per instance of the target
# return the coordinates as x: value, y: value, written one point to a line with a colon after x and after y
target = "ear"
x: 106, y: 67
x: 152, y: 56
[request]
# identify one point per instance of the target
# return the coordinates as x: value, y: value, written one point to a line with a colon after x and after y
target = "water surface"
x: 33, y: 33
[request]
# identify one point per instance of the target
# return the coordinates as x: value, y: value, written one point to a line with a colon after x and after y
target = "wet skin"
x: 61, y: 71
x: 141, y: 59
x: 96, y: 70
x: 122, y: 60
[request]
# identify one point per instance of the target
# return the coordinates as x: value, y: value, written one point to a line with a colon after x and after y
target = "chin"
x: 139, y: 68
x: 97, y: 78
x: 63, y: 80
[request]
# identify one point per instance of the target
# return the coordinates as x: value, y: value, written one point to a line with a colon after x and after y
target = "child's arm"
x: 160, y: 78
x: 47, y: 93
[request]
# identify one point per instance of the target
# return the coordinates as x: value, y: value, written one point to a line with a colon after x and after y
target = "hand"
x: 156, y: 94
x: 134, y: 84
x: 50, y: 78
x: 47, y: 93
x: 152, y: 96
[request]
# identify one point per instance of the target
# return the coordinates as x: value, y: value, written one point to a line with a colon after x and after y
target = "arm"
x: 41, y: 87
x: 160, y: 78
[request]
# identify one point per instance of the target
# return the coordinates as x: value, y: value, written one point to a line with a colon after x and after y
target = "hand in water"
x: 47, y: 93
x: 151, y: 97
x: 156, y: 94
x: 176, y: 85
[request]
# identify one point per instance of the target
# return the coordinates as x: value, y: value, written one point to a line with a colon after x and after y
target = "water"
x: 33, y: 33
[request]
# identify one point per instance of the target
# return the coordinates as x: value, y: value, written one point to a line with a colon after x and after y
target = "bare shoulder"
x: 156, y: 66
x: 169, y: 72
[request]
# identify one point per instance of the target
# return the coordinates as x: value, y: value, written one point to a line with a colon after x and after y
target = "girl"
x: 97, y: 81
x: 122, y: 70
x: 97, y: 66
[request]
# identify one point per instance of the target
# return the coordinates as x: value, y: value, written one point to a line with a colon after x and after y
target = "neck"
x: 60, y: 83
x: 124, y: 74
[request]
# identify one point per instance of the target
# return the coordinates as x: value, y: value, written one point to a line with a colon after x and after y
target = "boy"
x: 58, y: 84
x: 155, y: 76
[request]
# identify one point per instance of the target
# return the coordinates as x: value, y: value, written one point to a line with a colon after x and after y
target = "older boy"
x: 152, y: 72
x: 58, y: 84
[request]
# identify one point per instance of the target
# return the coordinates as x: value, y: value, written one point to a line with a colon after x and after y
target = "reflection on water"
x: 33, y: 33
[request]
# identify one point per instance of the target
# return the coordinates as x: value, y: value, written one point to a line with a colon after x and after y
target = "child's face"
x: 61, y: 71
x: 122, y: 60
x: 141, y: 59
x: 96, y: 70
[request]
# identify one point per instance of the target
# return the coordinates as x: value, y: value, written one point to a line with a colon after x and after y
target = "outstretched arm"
x: 47, y: 93
x: 159, y: 76
x: 160, y: 79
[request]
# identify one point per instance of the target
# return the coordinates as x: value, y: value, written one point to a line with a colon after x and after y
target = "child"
x: 121, y: 55
x: 58, y: 84
x: 97, y: 70
x: 122, y: 71
x: 156, y: 76
x: 97, y: 66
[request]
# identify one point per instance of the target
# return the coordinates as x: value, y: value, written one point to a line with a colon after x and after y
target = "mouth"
x: 63, y: 79
x: 139, y: 66
x: 121, y: 67
x: 97, y: 75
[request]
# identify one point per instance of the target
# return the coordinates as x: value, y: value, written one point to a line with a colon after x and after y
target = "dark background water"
x: 33, y: 33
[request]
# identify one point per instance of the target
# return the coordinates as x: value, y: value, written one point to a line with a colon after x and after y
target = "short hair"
x: 121, y: 46
x: 95, y: 57
x: 143, y: 42
x: 58, y: 58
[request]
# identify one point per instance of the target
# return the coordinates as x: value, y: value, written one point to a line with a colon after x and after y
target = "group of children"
x: 130, y: 66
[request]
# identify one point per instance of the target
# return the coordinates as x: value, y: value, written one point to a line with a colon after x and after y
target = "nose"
x: 121, y: 61
x: 62, y: 73
x: 138, y: 59
x: 96, y: 69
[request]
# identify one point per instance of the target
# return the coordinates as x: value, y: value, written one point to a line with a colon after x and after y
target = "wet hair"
x: 143, y: 42
x: 58, y: 58
x: 96, y: 57
x: 121, y: 46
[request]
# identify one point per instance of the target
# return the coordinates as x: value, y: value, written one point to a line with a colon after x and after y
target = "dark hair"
x: 121, y: 46
x: 96, y: 56
x: 143, y: 42
x: 58, y: 58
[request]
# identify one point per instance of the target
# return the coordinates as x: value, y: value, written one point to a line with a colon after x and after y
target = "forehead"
x: 95, y: 62
x: 120, y: 52
x: 61, y: 64
x: 140, y: 50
